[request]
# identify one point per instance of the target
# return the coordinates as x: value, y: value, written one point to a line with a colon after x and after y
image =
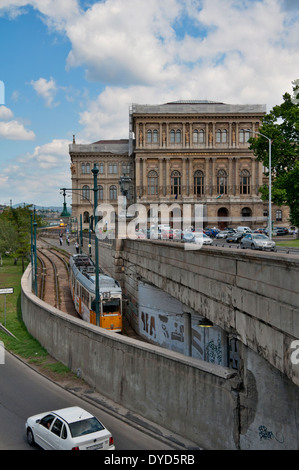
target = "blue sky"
x: 75, y: 67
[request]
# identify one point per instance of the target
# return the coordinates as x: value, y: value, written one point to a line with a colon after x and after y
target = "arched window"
x: 243, y: 136
x: 176, y: 183
x: 86, y: 217
x: 113, y: 193
x: 221, y: 136
x: 246, y: 212
x: 101, y: 193
x: 222, y: 182
x: 149, y: 137
x: 172, y: 136
x: 155, y: 136
x: 198, y: 136
x: 244, y: 182
x: 152, y: 183
x: 201, y: 136
x: 278, y: 215
x: 198, y: 183
x: 178, y: 137
x: 86, y: 192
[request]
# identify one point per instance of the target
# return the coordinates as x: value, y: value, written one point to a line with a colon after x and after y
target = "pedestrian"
x: 77, y: 247
x: 60, y: 240
x: 67, y: 240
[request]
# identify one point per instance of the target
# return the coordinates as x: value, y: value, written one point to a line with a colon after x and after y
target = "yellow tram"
x: 82, y: 284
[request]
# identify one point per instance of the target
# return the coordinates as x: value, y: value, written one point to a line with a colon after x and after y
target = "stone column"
x: 144, y: 176
x: 160, y: 181
x: 237, y: 176
x: 137, y: 176
x: 184, y: 176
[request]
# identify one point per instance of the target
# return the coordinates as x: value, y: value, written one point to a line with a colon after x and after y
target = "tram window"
x: 85, y: 296
x: 111, y: 306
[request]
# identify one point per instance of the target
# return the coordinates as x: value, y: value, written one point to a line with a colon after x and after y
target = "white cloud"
x: 52, y: 155
x: 236, y: 51
x: 14, y: 130
x: 39, y: 175
x: 5, y: 113
x: 47, y: 89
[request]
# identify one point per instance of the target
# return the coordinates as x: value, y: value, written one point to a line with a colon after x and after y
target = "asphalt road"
x: 24, y: 392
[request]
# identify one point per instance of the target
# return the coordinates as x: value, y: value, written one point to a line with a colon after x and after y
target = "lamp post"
x: 270, y: 183
x: 124, y: 184
x: 95, y: 172
x: 35, y: 255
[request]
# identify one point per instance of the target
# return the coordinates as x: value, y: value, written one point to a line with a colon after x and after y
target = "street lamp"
x: 124, y: 186
x: 95, y: 172
x: 270, y: 182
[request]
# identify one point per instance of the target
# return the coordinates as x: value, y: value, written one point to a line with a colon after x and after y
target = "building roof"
x: 198, y: 107
x: 102, y: 146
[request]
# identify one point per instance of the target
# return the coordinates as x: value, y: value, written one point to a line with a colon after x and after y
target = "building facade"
x: 180, y: 153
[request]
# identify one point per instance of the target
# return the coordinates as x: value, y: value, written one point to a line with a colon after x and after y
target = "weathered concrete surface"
x: 191, y: 397
x: 252, y: 296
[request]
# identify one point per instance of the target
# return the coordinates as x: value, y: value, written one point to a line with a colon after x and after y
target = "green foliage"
x: 281, y: 125
x: 15, y: 231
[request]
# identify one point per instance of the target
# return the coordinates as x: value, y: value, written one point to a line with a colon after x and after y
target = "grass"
x: 22, y: 344
x: 288, y: 243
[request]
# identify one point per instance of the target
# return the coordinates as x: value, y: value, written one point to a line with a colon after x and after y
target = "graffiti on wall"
x: 161, y: 321
x: 266, y: 435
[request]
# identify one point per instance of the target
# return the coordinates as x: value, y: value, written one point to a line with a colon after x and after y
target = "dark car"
x: 235, y: 237
x: 211, y: 232
x: 281, y: 231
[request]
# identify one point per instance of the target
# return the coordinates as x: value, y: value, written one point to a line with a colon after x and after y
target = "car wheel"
x: 252, y: 246
x: 30, y: 437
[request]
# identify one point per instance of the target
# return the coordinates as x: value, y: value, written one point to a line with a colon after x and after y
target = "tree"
x: 15, y: 229
x: 281, y: 125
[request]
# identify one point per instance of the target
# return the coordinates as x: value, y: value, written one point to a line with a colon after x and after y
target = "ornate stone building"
x: 193, y: 152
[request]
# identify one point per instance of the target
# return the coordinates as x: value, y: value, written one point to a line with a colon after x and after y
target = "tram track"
x: 53, y: 279
x: 54, y: 286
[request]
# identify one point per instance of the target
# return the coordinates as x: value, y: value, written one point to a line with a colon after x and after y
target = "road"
x: 24, y: 392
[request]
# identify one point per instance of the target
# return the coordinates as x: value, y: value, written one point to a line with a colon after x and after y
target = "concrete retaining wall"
x: 187, y: 396
x: 252, y: 296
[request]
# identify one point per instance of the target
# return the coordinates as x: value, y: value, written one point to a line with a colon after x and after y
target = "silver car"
x: 257, y: 241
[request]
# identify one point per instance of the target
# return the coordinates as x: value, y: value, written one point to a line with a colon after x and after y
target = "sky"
x: 74, y: 67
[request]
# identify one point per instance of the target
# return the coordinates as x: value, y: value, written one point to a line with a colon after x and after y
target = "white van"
x: 244, y: 229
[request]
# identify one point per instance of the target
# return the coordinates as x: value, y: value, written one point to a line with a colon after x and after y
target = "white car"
x: 202, y: 238
x: 68, y: 429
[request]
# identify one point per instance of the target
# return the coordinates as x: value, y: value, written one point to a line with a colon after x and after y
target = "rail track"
x: 53, y: 282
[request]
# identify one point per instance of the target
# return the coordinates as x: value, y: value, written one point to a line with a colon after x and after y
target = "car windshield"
x: 260, y: 236
x: 85, y: 426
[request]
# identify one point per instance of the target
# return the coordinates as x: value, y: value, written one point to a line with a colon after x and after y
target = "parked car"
x: 207, y: 240
x: 68, y: 429
x: 211, y: 232
x: 281, y: 231
x: 222, y: 234
x: 261, y: 230
x: 197, y: 237
x: 188, y: 236
x: 257, y: 241
x: 244, y: 229
x: 235, y: 237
